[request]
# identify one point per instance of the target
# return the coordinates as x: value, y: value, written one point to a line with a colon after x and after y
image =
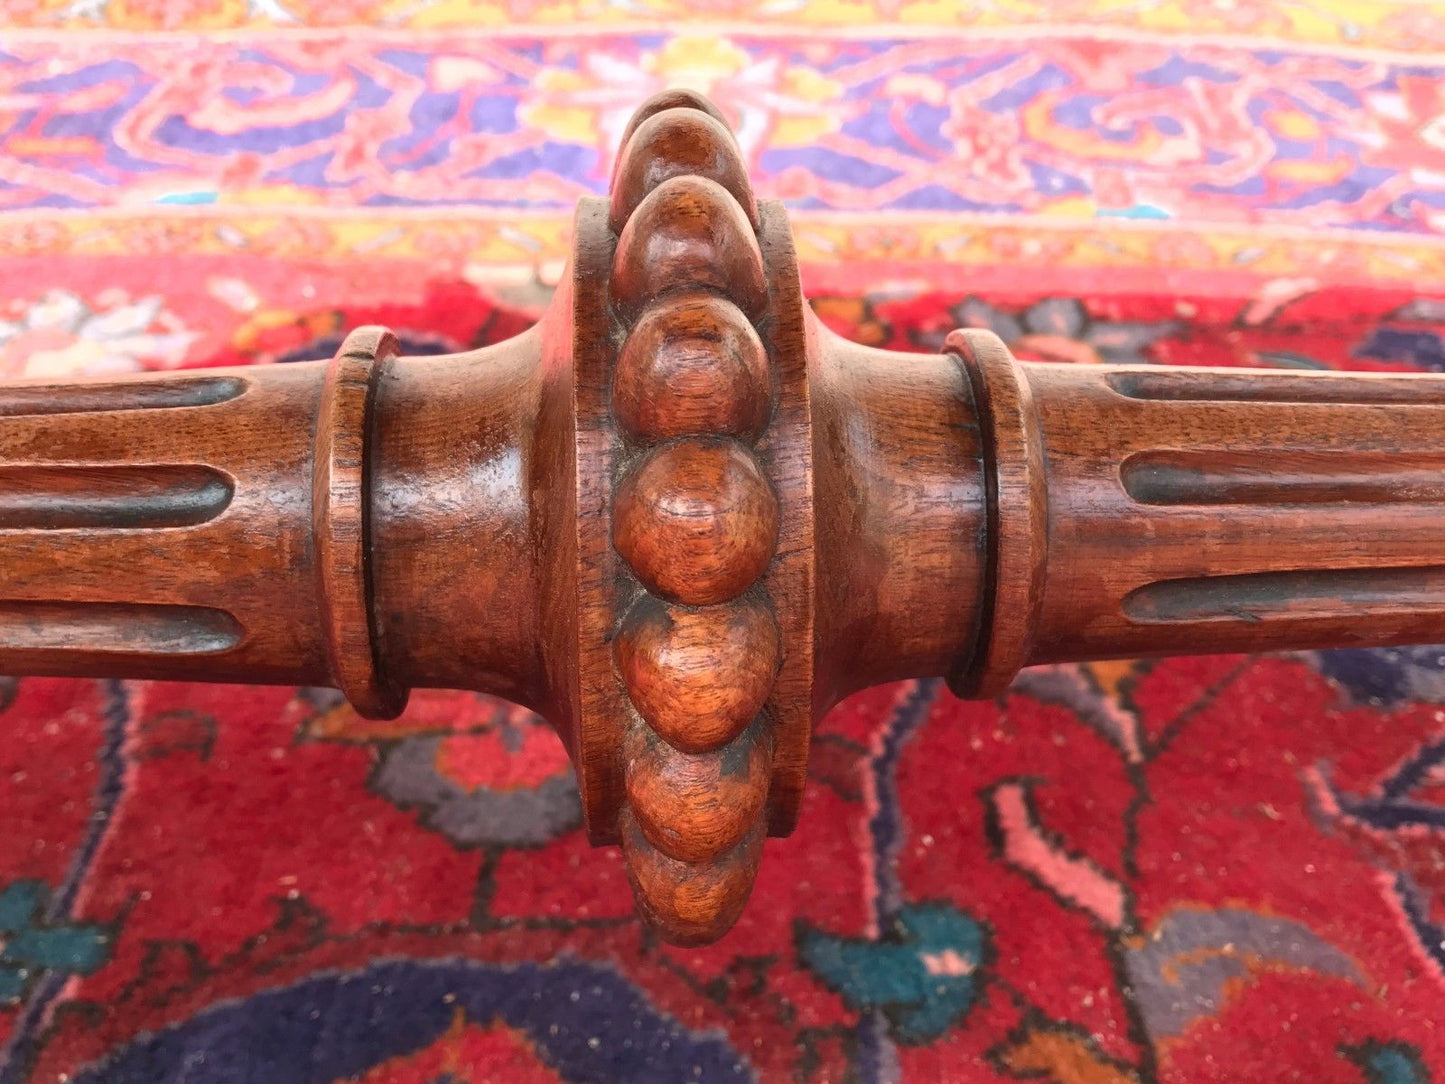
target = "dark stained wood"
x: 583, y: 588
x: 668, y: 657
x: 161, y: 527
x: 154, y: 393
x: 47, y: 497
x: 677, y: 98
x: 896, y: 441
x: 688, y: 233
x: 340, y: 517
x: 688, y: 902
x: 695, y: 806
x: 679, y: 142
x: 681, y: 519
x: 1192, y: 510
x: 1016, y: 514
x: 696, y: 520
x: 692, y: 364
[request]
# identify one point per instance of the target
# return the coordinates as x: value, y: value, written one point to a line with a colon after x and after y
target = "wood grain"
x: 341, y: 522
x: 696, y: 520
x: 699, y: 676
x: 692, y: 364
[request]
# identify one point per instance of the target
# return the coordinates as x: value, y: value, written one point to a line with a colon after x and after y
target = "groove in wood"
x: 149, y: 394
x: 48, y: 497
x: 116, y: 628
x: 1283, y: 478
x: 1257, y: 386
x: 1346, y: 593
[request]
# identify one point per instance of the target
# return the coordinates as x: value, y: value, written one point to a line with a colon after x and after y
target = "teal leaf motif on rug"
x: 29, y: 946
x: 922, y: 974
x: 1388, y: 1062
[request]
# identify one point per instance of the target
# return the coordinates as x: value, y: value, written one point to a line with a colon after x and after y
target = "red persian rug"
x: 1224, y: 869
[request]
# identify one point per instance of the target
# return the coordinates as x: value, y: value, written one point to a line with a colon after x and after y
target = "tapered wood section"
x: 897, y: 441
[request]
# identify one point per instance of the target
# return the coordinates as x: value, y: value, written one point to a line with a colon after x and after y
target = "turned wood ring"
x: 340, y: 517
x: 1017, y: 515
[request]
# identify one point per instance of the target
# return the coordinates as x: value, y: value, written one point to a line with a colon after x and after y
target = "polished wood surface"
x: 681, y: 519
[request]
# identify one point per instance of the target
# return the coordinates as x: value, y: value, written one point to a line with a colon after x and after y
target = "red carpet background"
x: 1225, y: 869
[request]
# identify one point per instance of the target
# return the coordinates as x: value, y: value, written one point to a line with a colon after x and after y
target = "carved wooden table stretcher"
x: 681, y: 519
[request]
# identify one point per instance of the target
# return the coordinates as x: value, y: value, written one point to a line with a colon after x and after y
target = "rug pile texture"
x: 1222, y: 869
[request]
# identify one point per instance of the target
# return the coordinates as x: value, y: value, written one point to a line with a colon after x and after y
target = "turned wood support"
x: 159, y: 528
x: 681, y: 519
x: 1139, y: 511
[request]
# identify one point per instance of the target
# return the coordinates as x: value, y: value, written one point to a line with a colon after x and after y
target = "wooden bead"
x: 676, y: 143
x: 690, y: 903
x: 677, y: 98
x: 688, y: 233
x: 694, y: 806
x: 696, y: 520
x: 698, y: 677
x: 691, y: 365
